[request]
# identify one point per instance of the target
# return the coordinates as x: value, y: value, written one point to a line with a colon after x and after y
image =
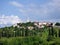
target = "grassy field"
x: 30, y: 40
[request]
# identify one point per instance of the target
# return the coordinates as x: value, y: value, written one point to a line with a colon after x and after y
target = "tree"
x: 26, y: 32
x: 57, y: 24
x: 59, y: 33
x: 0, y: 32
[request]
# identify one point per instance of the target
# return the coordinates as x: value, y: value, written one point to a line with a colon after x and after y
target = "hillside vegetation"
x: 22, y: 35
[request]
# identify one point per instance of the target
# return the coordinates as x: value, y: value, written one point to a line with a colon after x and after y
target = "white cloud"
x: 16, y: 4
x: 43, y: 9
x: 51, y: 6
x: 22, y: 10
x: 9, y: 19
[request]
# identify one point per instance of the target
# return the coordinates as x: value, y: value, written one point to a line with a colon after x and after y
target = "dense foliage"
x: 24, y: 36
x: 57, y: 24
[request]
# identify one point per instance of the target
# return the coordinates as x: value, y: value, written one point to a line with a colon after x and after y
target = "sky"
x: 15, y: 11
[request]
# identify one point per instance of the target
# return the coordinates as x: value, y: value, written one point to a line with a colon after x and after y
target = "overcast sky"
x: 14, y: 11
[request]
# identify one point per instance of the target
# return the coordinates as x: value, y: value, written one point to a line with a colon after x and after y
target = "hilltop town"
x: 36, y: 31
